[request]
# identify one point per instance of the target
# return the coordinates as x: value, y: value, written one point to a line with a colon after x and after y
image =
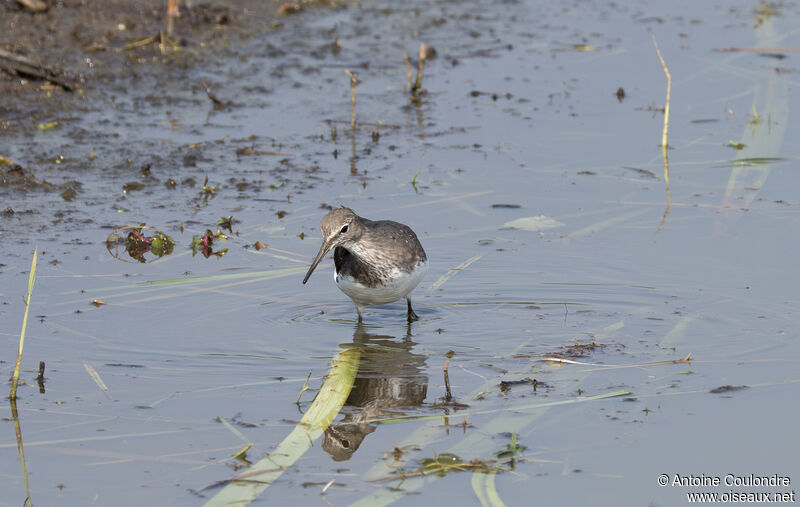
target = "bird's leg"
x: 411, y: 315
x: 360, y: 317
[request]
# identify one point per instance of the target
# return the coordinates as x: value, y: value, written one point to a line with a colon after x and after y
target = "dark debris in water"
x: 447, y: 462
x: 69, y: 194
x: 577, y: 350
x: 727, y: 389
x: 506, y: 385
x: 642, y: 172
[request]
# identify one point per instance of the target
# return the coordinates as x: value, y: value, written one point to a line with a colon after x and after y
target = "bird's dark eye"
x: 345, y: 229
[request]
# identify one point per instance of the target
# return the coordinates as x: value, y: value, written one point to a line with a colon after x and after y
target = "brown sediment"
x: 75, y: 45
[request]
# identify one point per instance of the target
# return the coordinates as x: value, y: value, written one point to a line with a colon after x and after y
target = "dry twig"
x: 420, y: 67
x: 353, y: 83
x: 408, y: 70
x: 664, y: 133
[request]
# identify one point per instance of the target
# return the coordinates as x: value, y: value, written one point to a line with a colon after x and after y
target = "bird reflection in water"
x: 390, y: 378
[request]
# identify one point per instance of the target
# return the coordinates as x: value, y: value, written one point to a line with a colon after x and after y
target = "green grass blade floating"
x: 31, y: 280
x: 245, y: 487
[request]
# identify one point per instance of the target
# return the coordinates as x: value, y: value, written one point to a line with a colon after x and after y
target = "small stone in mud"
x: 8, y: 212
x: 170, y: 184
x: 620, y: 93
x: 131, y: 186
x: 189, y: 182
x: 512, y: 206
x: 145, y: 169
x: 68, y: 194
x: 281, y: 214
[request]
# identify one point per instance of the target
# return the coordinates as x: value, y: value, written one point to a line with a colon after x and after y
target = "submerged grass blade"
x: 31, y: 280
x: 236, y: 432
x: 605, y: 224
x: 197, y: 286
x: 417, y: 204
x: 518, y: 408
x: 561, y: 360
x: 484, y: 487
x: 771, y: 92
x: 272, y: 273
x: 96, y: 377
x: 244, y: 488
x: 461, y: 267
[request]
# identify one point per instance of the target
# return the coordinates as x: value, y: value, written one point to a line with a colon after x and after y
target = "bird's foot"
x: 412, y: 317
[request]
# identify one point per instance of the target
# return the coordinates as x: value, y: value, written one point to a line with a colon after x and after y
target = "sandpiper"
x: 374, y: 262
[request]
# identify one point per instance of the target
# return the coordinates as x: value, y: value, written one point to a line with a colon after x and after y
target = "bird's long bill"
x: 322, y: 251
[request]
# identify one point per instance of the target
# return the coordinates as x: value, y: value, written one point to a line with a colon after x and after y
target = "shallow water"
x: 707, y: 269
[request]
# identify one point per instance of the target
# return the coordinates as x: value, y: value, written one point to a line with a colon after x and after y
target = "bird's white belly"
x: 397, y: 285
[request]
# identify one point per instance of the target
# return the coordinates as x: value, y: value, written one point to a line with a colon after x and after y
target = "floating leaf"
x: 226, y: 223
x: 203, y: 244
x: 137, y: 243
x: 537, y: 223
